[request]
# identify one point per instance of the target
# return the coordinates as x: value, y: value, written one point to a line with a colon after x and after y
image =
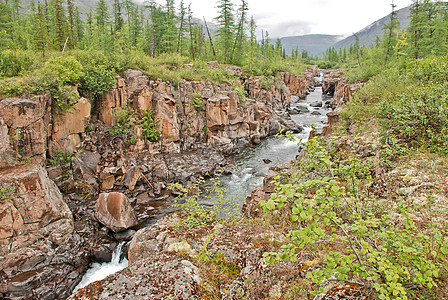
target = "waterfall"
x: 99, y: 271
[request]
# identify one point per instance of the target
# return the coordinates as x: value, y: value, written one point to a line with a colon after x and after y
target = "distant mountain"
x: 315, y: 44
x: 367, y: 36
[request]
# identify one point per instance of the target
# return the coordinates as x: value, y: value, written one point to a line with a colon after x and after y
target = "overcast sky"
x: 297, y: 17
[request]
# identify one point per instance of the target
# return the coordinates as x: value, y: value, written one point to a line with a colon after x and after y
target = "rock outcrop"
x: 46, y: 241
x: 114, y: 211
x: 39, y: 255
x: 69, y: 127
x: 28, y: 120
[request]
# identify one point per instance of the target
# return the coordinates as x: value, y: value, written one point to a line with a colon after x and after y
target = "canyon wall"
x: 47, y: 238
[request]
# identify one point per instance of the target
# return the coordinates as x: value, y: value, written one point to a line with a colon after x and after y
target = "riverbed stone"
x: 114, y: 211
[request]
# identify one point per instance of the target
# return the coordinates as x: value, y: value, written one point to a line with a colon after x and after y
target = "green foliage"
x: 15, y: 62
x: 65, y: 70
x: 5, y: 193
x: 326, y: 65
x: 372, y: 243
x: 124, y: 120
x: 97, y: 79
x: 433, y: 68
x: 197, y: 102
x: 61, y: 158
x: 195, y: 213
x: 150, y: 128
x: 418, y: 118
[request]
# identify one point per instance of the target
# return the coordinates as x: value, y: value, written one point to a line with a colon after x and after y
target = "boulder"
x: 85, y: 166
x: 316, y: 104
x: 114, y: 211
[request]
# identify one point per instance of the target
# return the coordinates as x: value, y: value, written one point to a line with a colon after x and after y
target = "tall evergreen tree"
x: 5, y: 25
x: 73, y: 31
x: 118, y: 18
x: 226, y: 24
x: 40, y: 30
x: 59, y: 24
x: 240, y: 34
x: 390, y: 33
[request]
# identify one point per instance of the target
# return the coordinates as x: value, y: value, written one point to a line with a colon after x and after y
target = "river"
x: 250, y: 166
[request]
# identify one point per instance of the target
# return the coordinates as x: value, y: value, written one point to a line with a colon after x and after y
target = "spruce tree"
x: 5, y: 25
x: 40, y: 30
x: 59, y: 24
x: 226, y: 24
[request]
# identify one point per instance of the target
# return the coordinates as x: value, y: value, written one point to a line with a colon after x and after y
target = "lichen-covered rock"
x: 114, y: 211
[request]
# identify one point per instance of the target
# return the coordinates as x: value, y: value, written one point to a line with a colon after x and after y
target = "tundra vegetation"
x: 368, y: 204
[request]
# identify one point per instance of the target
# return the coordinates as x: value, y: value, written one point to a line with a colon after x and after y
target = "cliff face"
x: 47, y: 238
x: 202, y: 113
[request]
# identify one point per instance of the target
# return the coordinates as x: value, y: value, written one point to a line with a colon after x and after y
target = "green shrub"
x: 124, y: 120
x: 197, y: 102
x: 15, y: 62
x: 66, y: 70
x: 418, y: 118
x: 429, y: 69
x: 97, y: 80
x: 354, y: 238
x: 150, y: 126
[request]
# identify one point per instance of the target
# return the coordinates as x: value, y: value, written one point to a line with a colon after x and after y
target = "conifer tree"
x: 240, y: 34
x: 226, y: 24
x: 5, y: 25
x: 73, y: 31
x: 40, y: 30
x: 59, y: 24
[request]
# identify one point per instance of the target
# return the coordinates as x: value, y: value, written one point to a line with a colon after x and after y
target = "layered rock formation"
x: 47, y: 240
x: 40, y: 255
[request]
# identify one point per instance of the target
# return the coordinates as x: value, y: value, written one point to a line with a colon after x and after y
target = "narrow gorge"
x: 63, y: 172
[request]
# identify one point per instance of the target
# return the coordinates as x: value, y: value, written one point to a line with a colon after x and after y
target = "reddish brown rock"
x: 28, y: 122
x: 36, y: 235
x: 111, y: 102
x: 115, y: 212
x: 68, y: 127
x: 7, y: 154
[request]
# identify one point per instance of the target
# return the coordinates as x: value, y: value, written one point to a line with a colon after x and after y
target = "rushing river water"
x: 99, y: 271
x: 250, y: 166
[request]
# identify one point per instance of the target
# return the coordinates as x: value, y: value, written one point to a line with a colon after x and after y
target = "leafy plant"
x: 195, y: 213
x: 370, y: 243
x: 150, y: 126
x: 97, y: 79
x: 15, y: 62
x: 197, y: 102
x: 123, y: 119
x: 64, y: 70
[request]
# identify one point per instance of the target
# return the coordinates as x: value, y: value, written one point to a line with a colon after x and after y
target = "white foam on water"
x: 99, y: 271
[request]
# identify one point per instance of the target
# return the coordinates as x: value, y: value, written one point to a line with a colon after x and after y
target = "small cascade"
x: 99, y: 271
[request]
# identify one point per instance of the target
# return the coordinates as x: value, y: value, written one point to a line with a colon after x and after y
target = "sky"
x: 297, y: 17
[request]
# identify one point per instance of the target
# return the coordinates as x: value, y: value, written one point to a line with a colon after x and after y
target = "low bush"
x: 371, y: 244
x: 15, y: 62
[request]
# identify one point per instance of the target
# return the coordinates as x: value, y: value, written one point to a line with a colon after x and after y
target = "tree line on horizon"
x: 155, y: 29
x: 426, y: 35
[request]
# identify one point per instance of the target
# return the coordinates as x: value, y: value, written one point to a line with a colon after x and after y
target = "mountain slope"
x: 367, y: 36
x: 315, y: 44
